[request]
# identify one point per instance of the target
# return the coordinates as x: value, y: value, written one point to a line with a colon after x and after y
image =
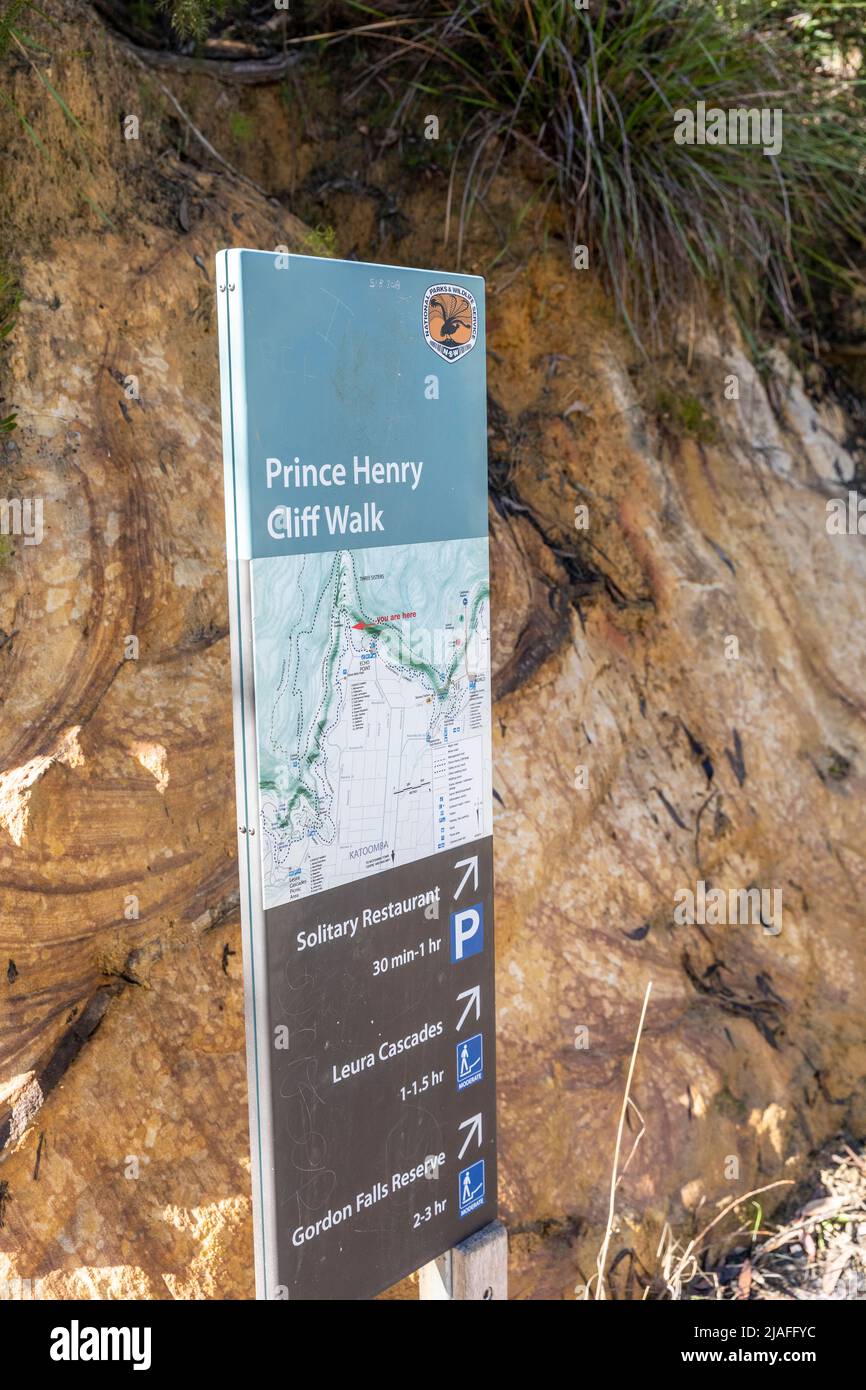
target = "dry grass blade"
x: 615, y: 1174
x: 818, y: 1251
x: 676, y: 1278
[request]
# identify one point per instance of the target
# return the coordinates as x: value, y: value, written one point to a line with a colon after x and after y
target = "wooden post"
x: 475, y: 1269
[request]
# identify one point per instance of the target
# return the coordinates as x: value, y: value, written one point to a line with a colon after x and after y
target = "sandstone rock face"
x: 738, y: 770
x: 697, y: 651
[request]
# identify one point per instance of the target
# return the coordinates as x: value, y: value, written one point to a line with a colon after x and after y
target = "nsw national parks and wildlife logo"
x: 449, y: 317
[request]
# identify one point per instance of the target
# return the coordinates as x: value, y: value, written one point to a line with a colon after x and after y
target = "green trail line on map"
x: 415, y: 666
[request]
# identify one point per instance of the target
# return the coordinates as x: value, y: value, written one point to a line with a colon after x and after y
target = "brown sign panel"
x: 383, y: 1077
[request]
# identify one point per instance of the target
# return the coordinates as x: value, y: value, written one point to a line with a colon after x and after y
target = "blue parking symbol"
x: 467, y: 932
x: 470, y: 1061
x: 471, y: 1187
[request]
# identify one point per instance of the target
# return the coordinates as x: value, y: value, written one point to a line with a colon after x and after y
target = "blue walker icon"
x: 470, y: 1061
x: 471, y: 1187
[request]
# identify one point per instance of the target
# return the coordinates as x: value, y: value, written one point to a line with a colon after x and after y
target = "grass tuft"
x: 192, y: 19
x: 593, y: 94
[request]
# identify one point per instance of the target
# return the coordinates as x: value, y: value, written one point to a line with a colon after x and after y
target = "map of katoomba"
x: 372, y: 710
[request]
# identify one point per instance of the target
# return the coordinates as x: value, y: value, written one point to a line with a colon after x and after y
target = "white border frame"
x: 233, y: 398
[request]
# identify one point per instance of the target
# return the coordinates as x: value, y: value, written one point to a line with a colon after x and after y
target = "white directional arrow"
x: 473, y: 1124
x: 471, y: 867
x: 474, y: 997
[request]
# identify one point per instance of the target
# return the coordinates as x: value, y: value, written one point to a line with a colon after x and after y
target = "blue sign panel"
x: 353, y: 428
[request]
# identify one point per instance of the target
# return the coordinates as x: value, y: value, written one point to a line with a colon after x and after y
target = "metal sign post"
x: 354, y: 429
